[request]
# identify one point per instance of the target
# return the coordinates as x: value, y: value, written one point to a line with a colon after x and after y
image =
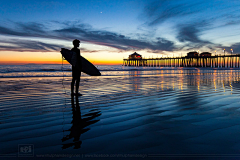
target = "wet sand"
x: 188, y: 115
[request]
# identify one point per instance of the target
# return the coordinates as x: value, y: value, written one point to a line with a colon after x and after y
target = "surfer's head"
x: 76, y: 43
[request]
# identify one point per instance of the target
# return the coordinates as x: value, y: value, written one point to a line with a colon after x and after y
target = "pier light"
x: 224, y: 51
x: 232, y: 51
x: 215, y: 53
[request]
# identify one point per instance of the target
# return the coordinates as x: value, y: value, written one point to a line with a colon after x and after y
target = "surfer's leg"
x: 72, y: 86
x: 77, y: 85
x: 74, y: 78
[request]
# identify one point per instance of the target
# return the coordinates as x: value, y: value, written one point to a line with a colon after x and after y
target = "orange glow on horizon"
x: 57, y: 62
x: 19, y: 58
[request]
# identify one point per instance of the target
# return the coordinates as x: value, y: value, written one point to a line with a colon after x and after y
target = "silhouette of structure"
x: 193, y: 59
x: 205, y: 54
x: 135, y: 55
x: 76, y: 73
x: 192, y: 54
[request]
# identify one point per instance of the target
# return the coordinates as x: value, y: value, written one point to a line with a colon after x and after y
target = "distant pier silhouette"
x: 205, y: 60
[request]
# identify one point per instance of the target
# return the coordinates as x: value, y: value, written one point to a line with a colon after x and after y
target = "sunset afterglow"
x: 35, y: 31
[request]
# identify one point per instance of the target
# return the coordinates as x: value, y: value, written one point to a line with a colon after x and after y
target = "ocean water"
x: 11, y: 71
x: 129, y: 112
x: 20, y: 71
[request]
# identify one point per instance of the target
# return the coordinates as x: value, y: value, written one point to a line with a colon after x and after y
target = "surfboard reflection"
x: 79, y: 125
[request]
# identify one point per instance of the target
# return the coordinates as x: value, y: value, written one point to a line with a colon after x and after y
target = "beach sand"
x: 171, y: 115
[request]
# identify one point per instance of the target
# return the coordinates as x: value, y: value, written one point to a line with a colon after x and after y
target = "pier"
x: 226, y: 61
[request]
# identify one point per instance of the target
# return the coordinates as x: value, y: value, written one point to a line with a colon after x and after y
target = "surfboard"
x: 87, y: 67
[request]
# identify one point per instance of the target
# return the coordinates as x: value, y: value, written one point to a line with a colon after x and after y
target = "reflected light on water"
x: 183, y: 79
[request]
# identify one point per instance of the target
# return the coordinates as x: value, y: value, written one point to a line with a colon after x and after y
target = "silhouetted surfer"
x: 76, y: 73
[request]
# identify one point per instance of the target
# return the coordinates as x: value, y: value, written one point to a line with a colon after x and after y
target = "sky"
x: 109, y: 30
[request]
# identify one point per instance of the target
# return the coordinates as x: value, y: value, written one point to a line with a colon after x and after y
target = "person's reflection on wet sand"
x: 79, y: 125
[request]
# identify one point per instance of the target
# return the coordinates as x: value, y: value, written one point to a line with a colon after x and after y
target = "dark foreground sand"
x: 139, y: 116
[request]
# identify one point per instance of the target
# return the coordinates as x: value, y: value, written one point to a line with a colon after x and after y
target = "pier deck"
x: 227, y: 61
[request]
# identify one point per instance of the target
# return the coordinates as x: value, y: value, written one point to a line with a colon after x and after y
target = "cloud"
x: 235, y: 47
x: 160, y: 11
x: 112, y: 39
x: 189, y: 20
x: 84, y: 32
x: 28, y: 46
x: 191, y: 33
x: 32, y: 28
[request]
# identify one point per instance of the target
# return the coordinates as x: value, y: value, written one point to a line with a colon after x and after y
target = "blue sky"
x: 153, y: 28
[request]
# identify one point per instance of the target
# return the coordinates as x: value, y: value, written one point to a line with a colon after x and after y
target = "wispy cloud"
x: 158, y: 12
x: 84, y: 32
x: 191, y: 19
x: 185, y: 11
x: 20, y: 45
x: 112, y: 39
x: 235, y: 47
x: 191, y: 33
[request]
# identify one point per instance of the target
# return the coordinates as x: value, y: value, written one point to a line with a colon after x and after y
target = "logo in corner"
x: 25, y: 150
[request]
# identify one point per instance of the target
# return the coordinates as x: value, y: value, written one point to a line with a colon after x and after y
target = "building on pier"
x: 135, y: 55
x: 135, y: 59
x: 192, y: 54
x: 205, y: 54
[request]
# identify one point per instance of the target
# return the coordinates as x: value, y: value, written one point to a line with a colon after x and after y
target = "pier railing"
x: 228, y: 61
